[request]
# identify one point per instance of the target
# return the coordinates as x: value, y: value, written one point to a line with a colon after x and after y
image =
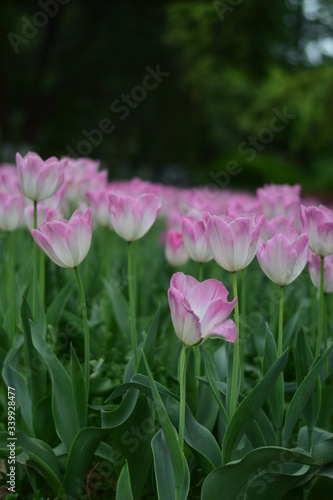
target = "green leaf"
x: 81, y: 454
x: 124, y: 489
x: 164, y: 476
x: 14, y: 378
x: 322, y: 451
x: 174, y: 450
x: 249, y: 407
x: 36, y: 374
x: 196, y: 435
x: 303, y: 363
x: 118, y: 415
x: 233, y: 478
x: 302, y: 395
x: 150, y: 341
x: 322, y: 488
x: 63, y: 399
x: 326, y: 404
x: 121, y: 312
x: 132, y: 441
x: 43, y: 421
x: 276, y: 395
x: 57, y: 306
x: 79, y: 388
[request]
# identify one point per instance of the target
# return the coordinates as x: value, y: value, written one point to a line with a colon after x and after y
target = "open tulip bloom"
x: 66, y: 243
x: 200, y: 310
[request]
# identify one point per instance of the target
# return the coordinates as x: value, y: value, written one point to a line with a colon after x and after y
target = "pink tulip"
x: 11, y: 211
x: 39, y: 179
x: 279, y: 200
x: 234, y: 242
x: 132, y: 217
x: 45, y: 213
x: 275, y: 225
x: 99, y: 202
x: 195, y: 238
x: 65, y: 242
x: 318, y: 222
x: 284, y: 256
x: 200, y: 310
x: 314, y: 268
x: 175, y: 252
x: 9, y: 181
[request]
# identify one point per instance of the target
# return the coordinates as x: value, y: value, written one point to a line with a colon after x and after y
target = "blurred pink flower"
x: 132, y: 217
x: 65, y: 242
x: 279, y: 199
x: 45, y: 213
x: 234, y: 242
x: 9, y: 181
x: 284, y: 256
x: 314, y: 268
x: 39, y: 179
x: 318, y: 222
x: 200, y: 310
x: 195, y: 238
x: 99, y: 202
x: 11, y: 211
x: 175, y: 252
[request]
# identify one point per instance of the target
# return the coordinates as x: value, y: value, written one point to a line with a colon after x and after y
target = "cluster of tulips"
x: 62, y: 201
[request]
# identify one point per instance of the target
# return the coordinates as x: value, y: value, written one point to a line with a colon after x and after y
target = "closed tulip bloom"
x: 175, y: 252
x: 200, y: 310
x: 284, y: 256
x: 195, y: 238
x: 11, y: 211
x: 314, y: 268
x: 132, y: 217
x: 45, y: 213
x: 66, y: 242
x: 318, y: 222
x: 39, y: 179
x: 99, y: 202
x: 234, y: 242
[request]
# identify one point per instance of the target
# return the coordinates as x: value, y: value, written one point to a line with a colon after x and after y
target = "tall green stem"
x: 280, y: 337
x: 325, y: 333
x: 182, y: 375
x: 11, y: 288
x: 321, y: 307
x: 35, y: 265
x: 42, y: 276
x: 200, y: 271
x: 85, y: 329
x: 132, y: 303
x: 236, y: 360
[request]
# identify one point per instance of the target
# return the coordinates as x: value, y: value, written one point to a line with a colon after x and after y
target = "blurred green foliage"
x: 230, y: 64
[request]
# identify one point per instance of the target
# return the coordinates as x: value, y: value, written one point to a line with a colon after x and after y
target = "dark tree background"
x: 231, y: 66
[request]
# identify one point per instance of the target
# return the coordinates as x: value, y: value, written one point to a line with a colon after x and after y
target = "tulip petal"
x: 226, y: 330
x: 185, y: 322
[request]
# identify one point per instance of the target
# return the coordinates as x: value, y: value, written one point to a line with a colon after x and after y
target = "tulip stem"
x: 321, y: 307
x: 35, y: 265
x: 200, y: 271
x: 182, y: 376
x: 85, y: 329
x: 42, y: 276
x: 235, y: 365
x: 325, y: 332
x: 280, y: 337
x: 11, y: 288
x: 132, y: 303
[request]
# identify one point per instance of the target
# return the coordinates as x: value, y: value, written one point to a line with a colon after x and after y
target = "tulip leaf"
x: 16, y: 379
x: 132, y: 442
x: 79, y: 388
x: 276, y: 394
x: 124, y: 488
x: 249, y: 407
x: 63, y: 399
x: 275, y: 486
x: 303, y: 362
x: 150, y: 341
x: 234, y: 477
x: 36, y: 373
x: 164, y: 476
x: 117, y: 415
x: 322, y: 488
x: 57, y: 306
x: 326, y: 405
x: 81, y: 454
x: 176, y: 456
x: 301, y: 396
x: 121, y: 311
